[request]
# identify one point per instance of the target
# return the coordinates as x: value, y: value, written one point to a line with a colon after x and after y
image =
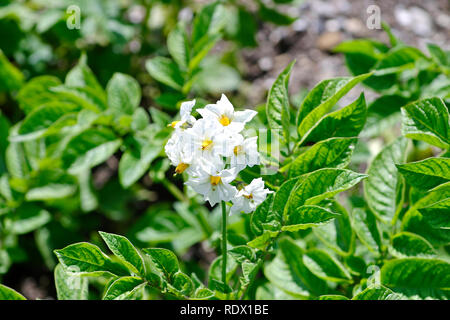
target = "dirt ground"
x: 323, y: 24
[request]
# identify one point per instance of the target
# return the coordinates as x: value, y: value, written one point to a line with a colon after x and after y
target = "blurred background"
x: 260, y: 38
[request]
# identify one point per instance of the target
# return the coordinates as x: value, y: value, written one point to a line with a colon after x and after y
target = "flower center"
x: 173, y: 124
x: 224, y: 120
x: 181, y: 167
x: 206, y: 144
x: 215, y: 180
x: 237, y: 150
x: 250, y: 196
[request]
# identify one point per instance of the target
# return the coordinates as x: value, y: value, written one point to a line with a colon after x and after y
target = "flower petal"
x: 244, y: 116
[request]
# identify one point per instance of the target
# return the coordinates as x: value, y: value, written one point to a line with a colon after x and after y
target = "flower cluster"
x: 212, y: 151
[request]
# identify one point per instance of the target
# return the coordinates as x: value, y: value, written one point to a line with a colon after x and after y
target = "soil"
x: 322, y: 25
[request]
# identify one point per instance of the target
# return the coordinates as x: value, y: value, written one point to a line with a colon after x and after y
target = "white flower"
x: 179, y: 153
x: 187, y: 120
x: 213, y: 182
x: 203, y: 148
x: 248, y: 198
x: 205, y: 141
x: 244, y: 152
x: 223, y: 113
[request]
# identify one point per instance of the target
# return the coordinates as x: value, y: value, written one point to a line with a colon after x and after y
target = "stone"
x: 329, y: 40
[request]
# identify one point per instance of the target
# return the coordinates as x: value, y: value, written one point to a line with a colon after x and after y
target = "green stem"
x: 224, y: 242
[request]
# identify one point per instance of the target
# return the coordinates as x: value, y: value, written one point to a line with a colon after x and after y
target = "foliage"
x: 82, y: 150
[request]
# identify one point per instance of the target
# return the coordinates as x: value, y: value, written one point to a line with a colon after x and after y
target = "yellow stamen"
x: 237, y: 150
x: 224, y: 120
x: 206, y: 144
x: 173, y: 124
x: 250, y: 196
x: 215, y: 180
x: 181, y: 167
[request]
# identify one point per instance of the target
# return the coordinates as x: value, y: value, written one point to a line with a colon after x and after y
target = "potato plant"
x: 314, y: 200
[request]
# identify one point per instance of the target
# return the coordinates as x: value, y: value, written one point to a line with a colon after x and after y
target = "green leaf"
x: 70, y: 286
x: 50, y: 191
x: 140, y: 119
x: 182, y: 284
x: 367, y: 47
x: 37, y: 92
x: 82, y: 76
x: 40, y: 120
x: 361, y: 56
x: 383, y: 114
x: 377, y: 293
x: 406, y: 244
x: 125, y: 251
x: 414, y: 222
x: 29, y: 217
x: 426, y: 174
x: 4, y: 133
x: 244, y: 28
x: 165, y: 260
x: 333, y: 297
x: 338, y: 235
x: 281, y: 198
x: 268, y: 291
x: 15, y: 158
x: 242, y: 253
x: 418, y: 277
x: 85, y: 97
x: 178, y: 46
x: 274, y: 16
x: 215, y: 270
x: 319, y: 185
x: 124, y: 94
x: 330, y: 153
x: 209, y: 21
x: 134, y: 163
x: 86, y: 258
x: 346, y: 122
x: 384, y: 183
x: 427, y: 120
x: 201, y: 49
x: 165, y: 71
x: 213, y: 69
x: 437, y: 215
x: 202, y: 294
x: 399, y: 59
x: 264, y: 218
x: 308, y: 216
x: 366, y: 228
x: 322, y: 98
x: 356, y: 265
x: 325, y: 266
x: 88, y: 199
x: 10, y: 294
x: 262, y: 241
x: 89, y: 148
x: 394, y: 41
x: 11, y: 78
x: 392, y: 64
x: 438, y: 55
x: 123, y: 288
x: 278, y: 106
x: 288, y: 272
